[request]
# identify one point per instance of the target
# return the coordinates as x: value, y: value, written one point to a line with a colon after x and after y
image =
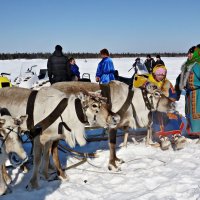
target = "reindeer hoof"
x: 113, y: 168
x: 120, y: 161
x: 5, y: 191
x: 198, y: 142
x: 31, y: 187
x: 44, y: 177
x: 155, y: 145
x: 180, y: 143
x: 8, y: 191
x: 53, y: 178
x: 164, y: 143
x: 64, y: 179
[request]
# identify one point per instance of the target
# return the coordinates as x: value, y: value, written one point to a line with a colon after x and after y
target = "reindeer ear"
x: 81, y: 96
x: 20, y: 120
x: 98, y: 93
x: 23, y: 118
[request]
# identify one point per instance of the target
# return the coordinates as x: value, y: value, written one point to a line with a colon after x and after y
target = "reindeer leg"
x: 3, y: 186
x: 56, y: 161
x: 45, y: 161
x: 51, y: 166
x: 37, y: 153
x: 6, y: 176
x: 112, y: 146
x: 148, y: 137
x: 125, y: 139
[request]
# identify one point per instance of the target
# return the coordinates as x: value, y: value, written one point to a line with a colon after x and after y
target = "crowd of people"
x: 149, y: 75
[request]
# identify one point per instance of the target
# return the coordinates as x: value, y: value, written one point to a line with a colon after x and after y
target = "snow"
x: 148, y: 173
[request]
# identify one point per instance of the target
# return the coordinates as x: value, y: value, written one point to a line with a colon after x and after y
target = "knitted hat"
x: 158, y: 56
x: 159, y: 69
x: 191, y: 50
x: 58, y: 48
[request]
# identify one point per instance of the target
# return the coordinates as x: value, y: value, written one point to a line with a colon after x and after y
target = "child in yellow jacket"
x: 167, y: 127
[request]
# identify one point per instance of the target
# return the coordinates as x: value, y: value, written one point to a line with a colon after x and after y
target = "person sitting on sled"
x: 167, y: 127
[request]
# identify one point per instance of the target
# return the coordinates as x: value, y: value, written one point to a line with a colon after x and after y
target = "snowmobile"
x: 140, y: 69
x: 28, y: 77
x: 4, y: 81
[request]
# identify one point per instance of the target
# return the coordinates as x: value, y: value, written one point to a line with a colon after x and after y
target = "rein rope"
x: 4, y: 140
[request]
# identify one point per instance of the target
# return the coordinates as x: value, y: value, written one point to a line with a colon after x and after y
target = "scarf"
x: 195, y: 57
x: 187, y: 67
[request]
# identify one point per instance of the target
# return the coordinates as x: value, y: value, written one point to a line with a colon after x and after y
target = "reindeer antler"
x: 96, y: 96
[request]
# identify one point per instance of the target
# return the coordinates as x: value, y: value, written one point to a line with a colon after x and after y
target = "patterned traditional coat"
x: 190, y: 81
x: 164, y: 124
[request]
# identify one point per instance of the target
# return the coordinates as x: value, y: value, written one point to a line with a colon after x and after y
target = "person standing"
x: 139, y: 67
x: 58, y: 67
x: 149, y: 63
x: 159, y: 61
x: 74, y: 69
x: 105, y: 70
x: 190, y: 82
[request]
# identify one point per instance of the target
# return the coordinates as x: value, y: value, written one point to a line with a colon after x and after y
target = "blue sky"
x: 90, y: 25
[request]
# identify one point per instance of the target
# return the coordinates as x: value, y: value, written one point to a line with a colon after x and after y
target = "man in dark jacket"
x: 149, y: 63
x: 159, y: 61
x: 58, y: 67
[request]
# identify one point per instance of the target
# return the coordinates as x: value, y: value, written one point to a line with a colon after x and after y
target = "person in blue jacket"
x: 105, y: 70
x: 74, y: 69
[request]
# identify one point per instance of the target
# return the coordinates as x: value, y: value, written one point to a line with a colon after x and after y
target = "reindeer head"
x: 96, y: 110
x: 162, y: 103
x: 9, y: 131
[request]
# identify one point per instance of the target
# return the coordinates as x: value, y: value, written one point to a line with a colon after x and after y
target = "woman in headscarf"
x: 190, y: 82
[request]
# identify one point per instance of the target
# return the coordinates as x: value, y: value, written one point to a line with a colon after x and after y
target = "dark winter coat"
x: 58, y: 68
x: 150, y: 64
x: 159, y: 62
x: 75, y: 70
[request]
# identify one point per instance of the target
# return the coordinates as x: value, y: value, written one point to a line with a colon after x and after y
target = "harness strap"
x: 146, y: 100
x: 135, y: 115
x: 61, y: 125
x: 30, y: 109
x: 79, y: 111
x: 126, y: 104
x: 105, y: 92
x: 53, y: 116
x: 45, y: 123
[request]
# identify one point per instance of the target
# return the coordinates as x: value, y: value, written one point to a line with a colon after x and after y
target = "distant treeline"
x: 9, y: 56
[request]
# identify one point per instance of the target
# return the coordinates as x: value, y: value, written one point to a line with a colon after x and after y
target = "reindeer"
x: 133, y: 106
x: 52, y: 115
x: 10, y: 147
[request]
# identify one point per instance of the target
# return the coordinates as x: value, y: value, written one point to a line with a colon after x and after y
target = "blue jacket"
x: 75, y: 70
x: 105, y: 70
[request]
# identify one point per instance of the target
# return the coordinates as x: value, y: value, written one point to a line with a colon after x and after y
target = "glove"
x: 97, y: 79
x: 150, y: 87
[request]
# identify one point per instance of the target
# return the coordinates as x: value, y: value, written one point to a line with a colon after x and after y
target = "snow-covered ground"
x: 147, y: 173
